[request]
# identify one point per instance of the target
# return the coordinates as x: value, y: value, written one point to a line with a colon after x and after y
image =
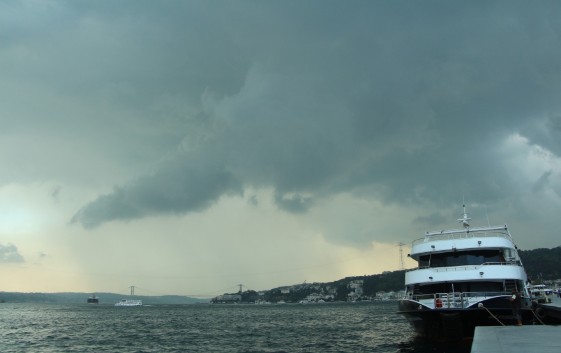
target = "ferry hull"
x: 548, y: 313
x: 455, y: 324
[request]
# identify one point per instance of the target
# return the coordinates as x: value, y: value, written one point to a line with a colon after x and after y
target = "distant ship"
x: 93, y: 299
x: 129, y: 302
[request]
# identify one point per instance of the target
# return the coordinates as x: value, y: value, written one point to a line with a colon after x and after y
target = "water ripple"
x: 365, y: 327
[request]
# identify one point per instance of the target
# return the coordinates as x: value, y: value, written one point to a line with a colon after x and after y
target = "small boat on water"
x: 93, y: 299
x: 465, y: 278
x: 541, y: 293
x: 129, y: 302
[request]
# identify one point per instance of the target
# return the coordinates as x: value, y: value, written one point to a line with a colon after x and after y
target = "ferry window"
x: 509, y: 255
x: 438, y: 260
x: 486, y: 287
x: 492, y: 256
x: 456, y: 260
x: 433, y: 288
x: 462, y: 258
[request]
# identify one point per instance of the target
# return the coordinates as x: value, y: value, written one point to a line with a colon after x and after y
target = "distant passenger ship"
x: 129, y: 302
x: 93, y: 299
x: 465, y: 278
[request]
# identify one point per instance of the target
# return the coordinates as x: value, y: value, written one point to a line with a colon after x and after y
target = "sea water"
x: 330, y: 327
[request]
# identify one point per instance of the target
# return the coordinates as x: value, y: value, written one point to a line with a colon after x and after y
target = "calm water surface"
x: 364, y: 327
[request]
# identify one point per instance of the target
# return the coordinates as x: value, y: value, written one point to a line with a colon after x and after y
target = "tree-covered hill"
x: 542, y: 263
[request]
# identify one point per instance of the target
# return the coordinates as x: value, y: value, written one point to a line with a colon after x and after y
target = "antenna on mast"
x: 465, y: 220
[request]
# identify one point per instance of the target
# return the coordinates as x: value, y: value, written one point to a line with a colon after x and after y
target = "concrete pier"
x: 517, y: 339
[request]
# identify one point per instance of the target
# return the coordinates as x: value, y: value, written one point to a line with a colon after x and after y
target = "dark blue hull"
x: 548, y: 313
x: 454, y: 324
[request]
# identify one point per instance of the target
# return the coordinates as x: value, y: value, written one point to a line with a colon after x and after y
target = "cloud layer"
x: 9, y: 254
x: 165, y: 109
x: 407, y: 103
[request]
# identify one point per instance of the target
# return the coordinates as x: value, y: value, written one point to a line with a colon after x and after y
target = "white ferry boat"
x: 465, y: 278
x: 129, y: 302
x: 541, y: 293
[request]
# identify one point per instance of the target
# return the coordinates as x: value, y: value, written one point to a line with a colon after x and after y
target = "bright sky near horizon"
x: 188, y: 146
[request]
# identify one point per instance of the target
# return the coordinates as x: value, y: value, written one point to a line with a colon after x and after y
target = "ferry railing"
x: 462, y: 235
x: 467, y: 267
x: 456, y: 299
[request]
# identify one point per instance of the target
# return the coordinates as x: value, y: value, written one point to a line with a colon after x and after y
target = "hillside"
x: 542, y: 263
x: 340, y: 290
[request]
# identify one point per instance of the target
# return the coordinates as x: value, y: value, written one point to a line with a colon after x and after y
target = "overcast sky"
x: 188, y: 146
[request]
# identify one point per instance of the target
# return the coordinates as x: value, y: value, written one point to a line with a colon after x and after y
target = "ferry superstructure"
x: 465, y: 278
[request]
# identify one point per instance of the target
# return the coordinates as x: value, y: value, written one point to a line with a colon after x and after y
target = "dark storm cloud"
x: 407, y: 102
x: 179, y: 186
x: 431, y: 219
x: 545, y: 130
x: 9, y: 253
